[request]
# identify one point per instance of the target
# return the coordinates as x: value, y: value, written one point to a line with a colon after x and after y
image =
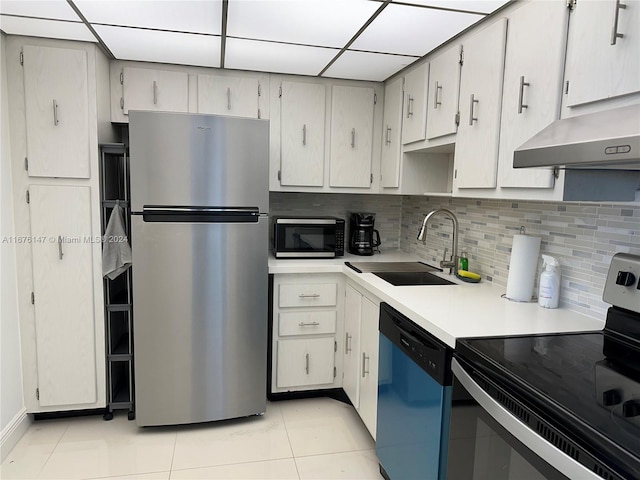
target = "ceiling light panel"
x: 375, y: 67
x: 159, y: 46
x: 203, y: 16
x: 408, y: 30
x: 36, y: 27
x: 49, y: 9
x: 483, y: 6
x: 329, y: 23
x: 276, y: 57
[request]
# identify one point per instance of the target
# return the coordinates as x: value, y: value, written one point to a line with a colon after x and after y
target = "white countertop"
x: 450, y: 311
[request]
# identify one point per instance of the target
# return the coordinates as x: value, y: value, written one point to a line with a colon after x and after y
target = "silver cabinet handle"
x: 471, y: 107
x: 364, y: 360
x: 521, y: 96
x: 304, y: 134
x: 308, y: 324
x: 55, y: 113
x: 437, y: 95
x: 229, y: 98
x: 307, y: 364
x: 409, y: 106
x: 353, y: 138
x: 387, y: 140
x: 347, y: 343
x: 60, y: 252
x: 155, y: 92
x: 614, y: 31
x: 308, y: 295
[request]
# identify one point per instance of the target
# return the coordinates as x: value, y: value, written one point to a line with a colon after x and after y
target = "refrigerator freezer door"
x: 200, y: 313
x: 187, y: 159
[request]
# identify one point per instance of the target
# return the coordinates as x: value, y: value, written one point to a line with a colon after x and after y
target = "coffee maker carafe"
x: 361, y: 234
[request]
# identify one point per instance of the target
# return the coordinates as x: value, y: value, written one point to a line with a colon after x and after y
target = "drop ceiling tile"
x: 49, y: 9
x: 276, y: 57
x: 36, y: 27
x: 484, y: 6
x: 329, y: 23
x: 201, y: 16
x: 159, y: 46
x: 410, y: 30
x: 367, y: 66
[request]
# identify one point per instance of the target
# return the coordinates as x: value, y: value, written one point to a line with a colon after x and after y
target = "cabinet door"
x: 415, y: 107
x: 160, y: 90
x: 302, y: 134
x: 444, y: 83
x: 532, y: 87
x: 391, y: 146
x: 225, y: 95
x: 57, y: 112
x: 351, y: 371
x: 476, y: 155
x: 601, y: 65
x: 63, y: 292
x: 351, y: 137
x: 305, y: 362
x: 369, y: 370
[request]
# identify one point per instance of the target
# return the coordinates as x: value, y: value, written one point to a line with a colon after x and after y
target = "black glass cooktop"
x: 588, y: 382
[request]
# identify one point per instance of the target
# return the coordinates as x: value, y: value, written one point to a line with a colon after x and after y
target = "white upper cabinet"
x: 302, y: 126
x: 227, y: 95
x: 352, y: 111
x: 391, y: 146
x: 476, y: 155
x: 603, y: 57
x: 532, y: 86
x: 57, y: 112
x: 444, y: 83
x: 415, y: 107
x: 160, y: 90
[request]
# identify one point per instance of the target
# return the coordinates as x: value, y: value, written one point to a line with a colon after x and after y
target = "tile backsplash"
x: 583, y: 236
x: 387, y: 209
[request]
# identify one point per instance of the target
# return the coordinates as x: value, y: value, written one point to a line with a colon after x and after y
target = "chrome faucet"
x: 451, y: 264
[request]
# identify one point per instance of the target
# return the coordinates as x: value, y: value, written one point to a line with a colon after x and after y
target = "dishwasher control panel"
x: 428, y: 352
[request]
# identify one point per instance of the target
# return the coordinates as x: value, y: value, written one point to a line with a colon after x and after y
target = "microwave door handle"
x: 534, y: 442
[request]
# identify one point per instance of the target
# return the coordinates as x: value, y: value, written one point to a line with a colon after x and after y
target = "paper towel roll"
x: 522, y: 267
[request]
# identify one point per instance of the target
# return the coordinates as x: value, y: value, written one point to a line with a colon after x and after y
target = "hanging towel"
x: 116, y: 252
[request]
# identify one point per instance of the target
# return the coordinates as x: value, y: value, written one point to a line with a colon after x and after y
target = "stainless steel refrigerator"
x: 199, y: 234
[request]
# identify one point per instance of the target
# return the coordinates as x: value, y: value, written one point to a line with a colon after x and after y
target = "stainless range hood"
x: 603, y: 140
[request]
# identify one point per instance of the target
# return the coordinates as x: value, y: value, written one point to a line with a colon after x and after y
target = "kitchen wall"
x: 584, y: 237
x: 387, y: 208
x: 13, y: 420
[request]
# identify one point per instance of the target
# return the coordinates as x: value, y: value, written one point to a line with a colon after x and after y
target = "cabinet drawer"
x: 306, y: 323
x: 308, y: 295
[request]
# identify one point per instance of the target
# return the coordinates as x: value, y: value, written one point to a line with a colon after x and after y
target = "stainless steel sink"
x: 412, y: 278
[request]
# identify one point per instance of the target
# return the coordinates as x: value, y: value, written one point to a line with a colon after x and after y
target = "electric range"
x: 578, y: 394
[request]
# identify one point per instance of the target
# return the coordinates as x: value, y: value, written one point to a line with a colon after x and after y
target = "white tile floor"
x: 316, y: 438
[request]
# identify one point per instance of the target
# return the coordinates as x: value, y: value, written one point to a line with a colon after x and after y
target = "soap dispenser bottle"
x: 549, y: 290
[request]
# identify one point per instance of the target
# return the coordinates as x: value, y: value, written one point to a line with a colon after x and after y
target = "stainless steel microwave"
x: 308, y: 237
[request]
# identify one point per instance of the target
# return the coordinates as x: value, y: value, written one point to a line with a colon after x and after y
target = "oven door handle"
x: 545, y: 450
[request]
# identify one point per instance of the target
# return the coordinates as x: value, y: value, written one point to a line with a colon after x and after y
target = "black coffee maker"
x: 361, y: 234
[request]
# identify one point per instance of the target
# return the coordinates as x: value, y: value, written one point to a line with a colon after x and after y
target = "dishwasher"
x: 414, y: 399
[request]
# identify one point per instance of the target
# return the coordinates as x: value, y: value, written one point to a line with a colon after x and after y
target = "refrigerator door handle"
x: 161, y: 209
x: 201, y: 214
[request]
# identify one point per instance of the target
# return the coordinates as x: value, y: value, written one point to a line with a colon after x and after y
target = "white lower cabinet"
x: 309, y: 361
x: 360, y: 377
x: 63, y: 298
x: 307, y: 325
